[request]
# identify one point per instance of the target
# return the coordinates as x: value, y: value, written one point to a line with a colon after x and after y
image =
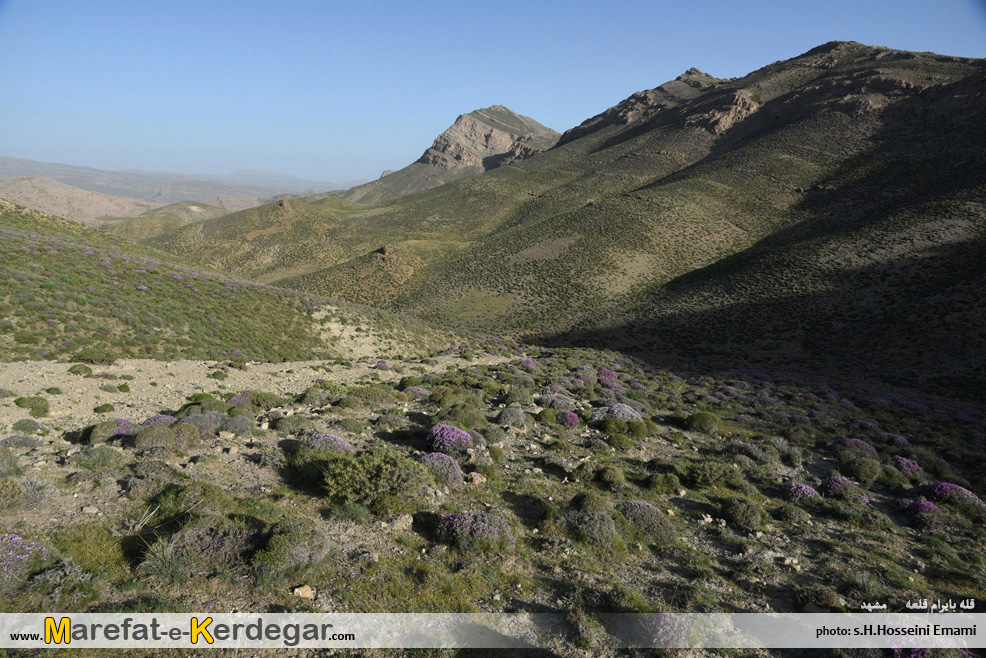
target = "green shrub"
x: 213, y: 542
x: 743, y: 513
x: 615, y: 425
x: 293, y: 424
x: 123, y: 388
x: 791, y: 514
x: 99, y: 459
x: 664, y: 483
x: 638, y: 429
x: 96, y: 355
x: 104, y: 408
x: 863, y: 469
x: 650, y: 523
x: 463, y: 416
x: 53, y: 390
x: 10, y: 493
x: 35, y: 404
x: 27, y: 426
x: 612, y: 478
x: 713, y: 472
x: 497, y: 454
x: 589, y: 518
x: 186, y: 435
x: 81, y: 370
x: 547, y: 416
x: 619, y: 442
x: 155, y: 436
x: 705, y: 422
x: 294, y: 542
x: 386, y: 482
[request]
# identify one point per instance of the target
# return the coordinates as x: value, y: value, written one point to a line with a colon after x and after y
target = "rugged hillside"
x: 479, y: 141
x: 67, y: 291
x: 76, y: 204
x: 822, y: 212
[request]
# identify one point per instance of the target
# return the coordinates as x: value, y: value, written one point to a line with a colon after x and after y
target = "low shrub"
x: 589, y: 517
x: 476, y: 531
x: 386, y: 482
x: 743, y: 513
x: 81, y: 370
x: 448, y: 439
x: 293, y: 542
x: 445, y: 469
x: 651, y: 524
x: 704, y: 422
x: 35, y: 404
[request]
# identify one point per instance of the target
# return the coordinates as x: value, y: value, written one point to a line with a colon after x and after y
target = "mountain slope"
x: 76, y: 204
x: 161, y: 220
x: 479, y: 141
x: 722, y: 219
x: 68, y: 291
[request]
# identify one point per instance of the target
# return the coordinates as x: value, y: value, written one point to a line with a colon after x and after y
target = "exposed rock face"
x: 482, y: 139
x: 479, y: 141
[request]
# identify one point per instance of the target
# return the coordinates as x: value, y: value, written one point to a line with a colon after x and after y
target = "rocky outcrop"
x: 484, y: 139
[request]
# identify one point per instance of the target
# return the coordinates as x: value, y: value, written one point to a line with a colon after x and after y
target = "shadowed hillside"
x: 705, y: 216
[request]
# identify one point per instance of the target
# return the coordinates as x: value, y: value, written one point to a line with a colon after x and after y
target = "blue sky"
x: 342, y: 90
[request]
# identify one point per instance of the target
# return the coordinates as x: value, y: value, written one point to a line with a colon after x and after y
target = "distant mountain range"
x: 165, y: 188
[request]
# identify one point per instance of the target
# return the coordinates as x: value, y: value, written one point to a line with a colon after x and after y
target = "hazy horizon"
x: 328, y: 92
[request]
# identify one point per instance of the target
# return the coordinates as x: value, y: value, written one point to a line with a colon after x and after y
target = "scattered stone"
x: 476, y: 478
x: 305, y: 592
x: 402, y: 523
x: 89, y: 509
x: 227, y: 435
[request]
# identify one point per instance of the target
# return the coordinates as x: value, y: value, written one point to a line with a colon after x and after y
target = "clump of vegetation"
x: 651, y: 524
x: 386, y: 482
x: 80, y: 369
x: 590, y: 519
x: 448, y: 439
x: 476, y: 531
x: 445, y: 469
x: 35, y: 404
x: 293, y: 542
x: 705, y: 422
x: 743, y: 513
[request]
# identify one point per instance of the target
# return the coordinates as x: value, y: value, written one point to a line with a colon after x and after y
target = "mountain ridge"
x: 481, y: 140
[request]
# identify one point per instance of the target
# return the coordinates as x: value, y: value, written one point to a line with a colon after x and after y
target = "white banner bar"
x: 489, y: 631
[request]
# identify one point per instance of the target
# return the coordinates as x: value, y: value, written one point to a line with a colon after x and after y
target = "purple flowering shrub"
x: 328, y: 443
x: 569, y: 419
x: 856, y: 447
x: 476, y: 531
x: 448, y: 439
x: 922, y: 513
x: 17, y: 555
x: 445, y: 469
x: 797, y: 492
x: 838, y: 486
x: 418, y: 391
x: 20, y: 441
x: 959, y: 497
x: 159, y: 419
x: 908, y: 467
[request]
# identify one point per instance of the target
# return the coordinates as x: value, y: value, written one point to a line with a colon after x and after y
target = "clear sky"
x: 339, y: 91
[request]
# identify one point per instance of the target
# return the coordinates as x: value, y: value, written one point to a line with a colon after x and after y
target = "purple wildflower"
x: 835, y: 485
x: 419, y: 392
x: 569, y: 419
x: 329, y: 443
x: 15, y: 552
x: 796, y: 492
x: 908, y: 467
x: 475, y: 530
x: 953, y: 493
x: 159, y: 419
x: 444, y: 467
x: 448, y: 439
